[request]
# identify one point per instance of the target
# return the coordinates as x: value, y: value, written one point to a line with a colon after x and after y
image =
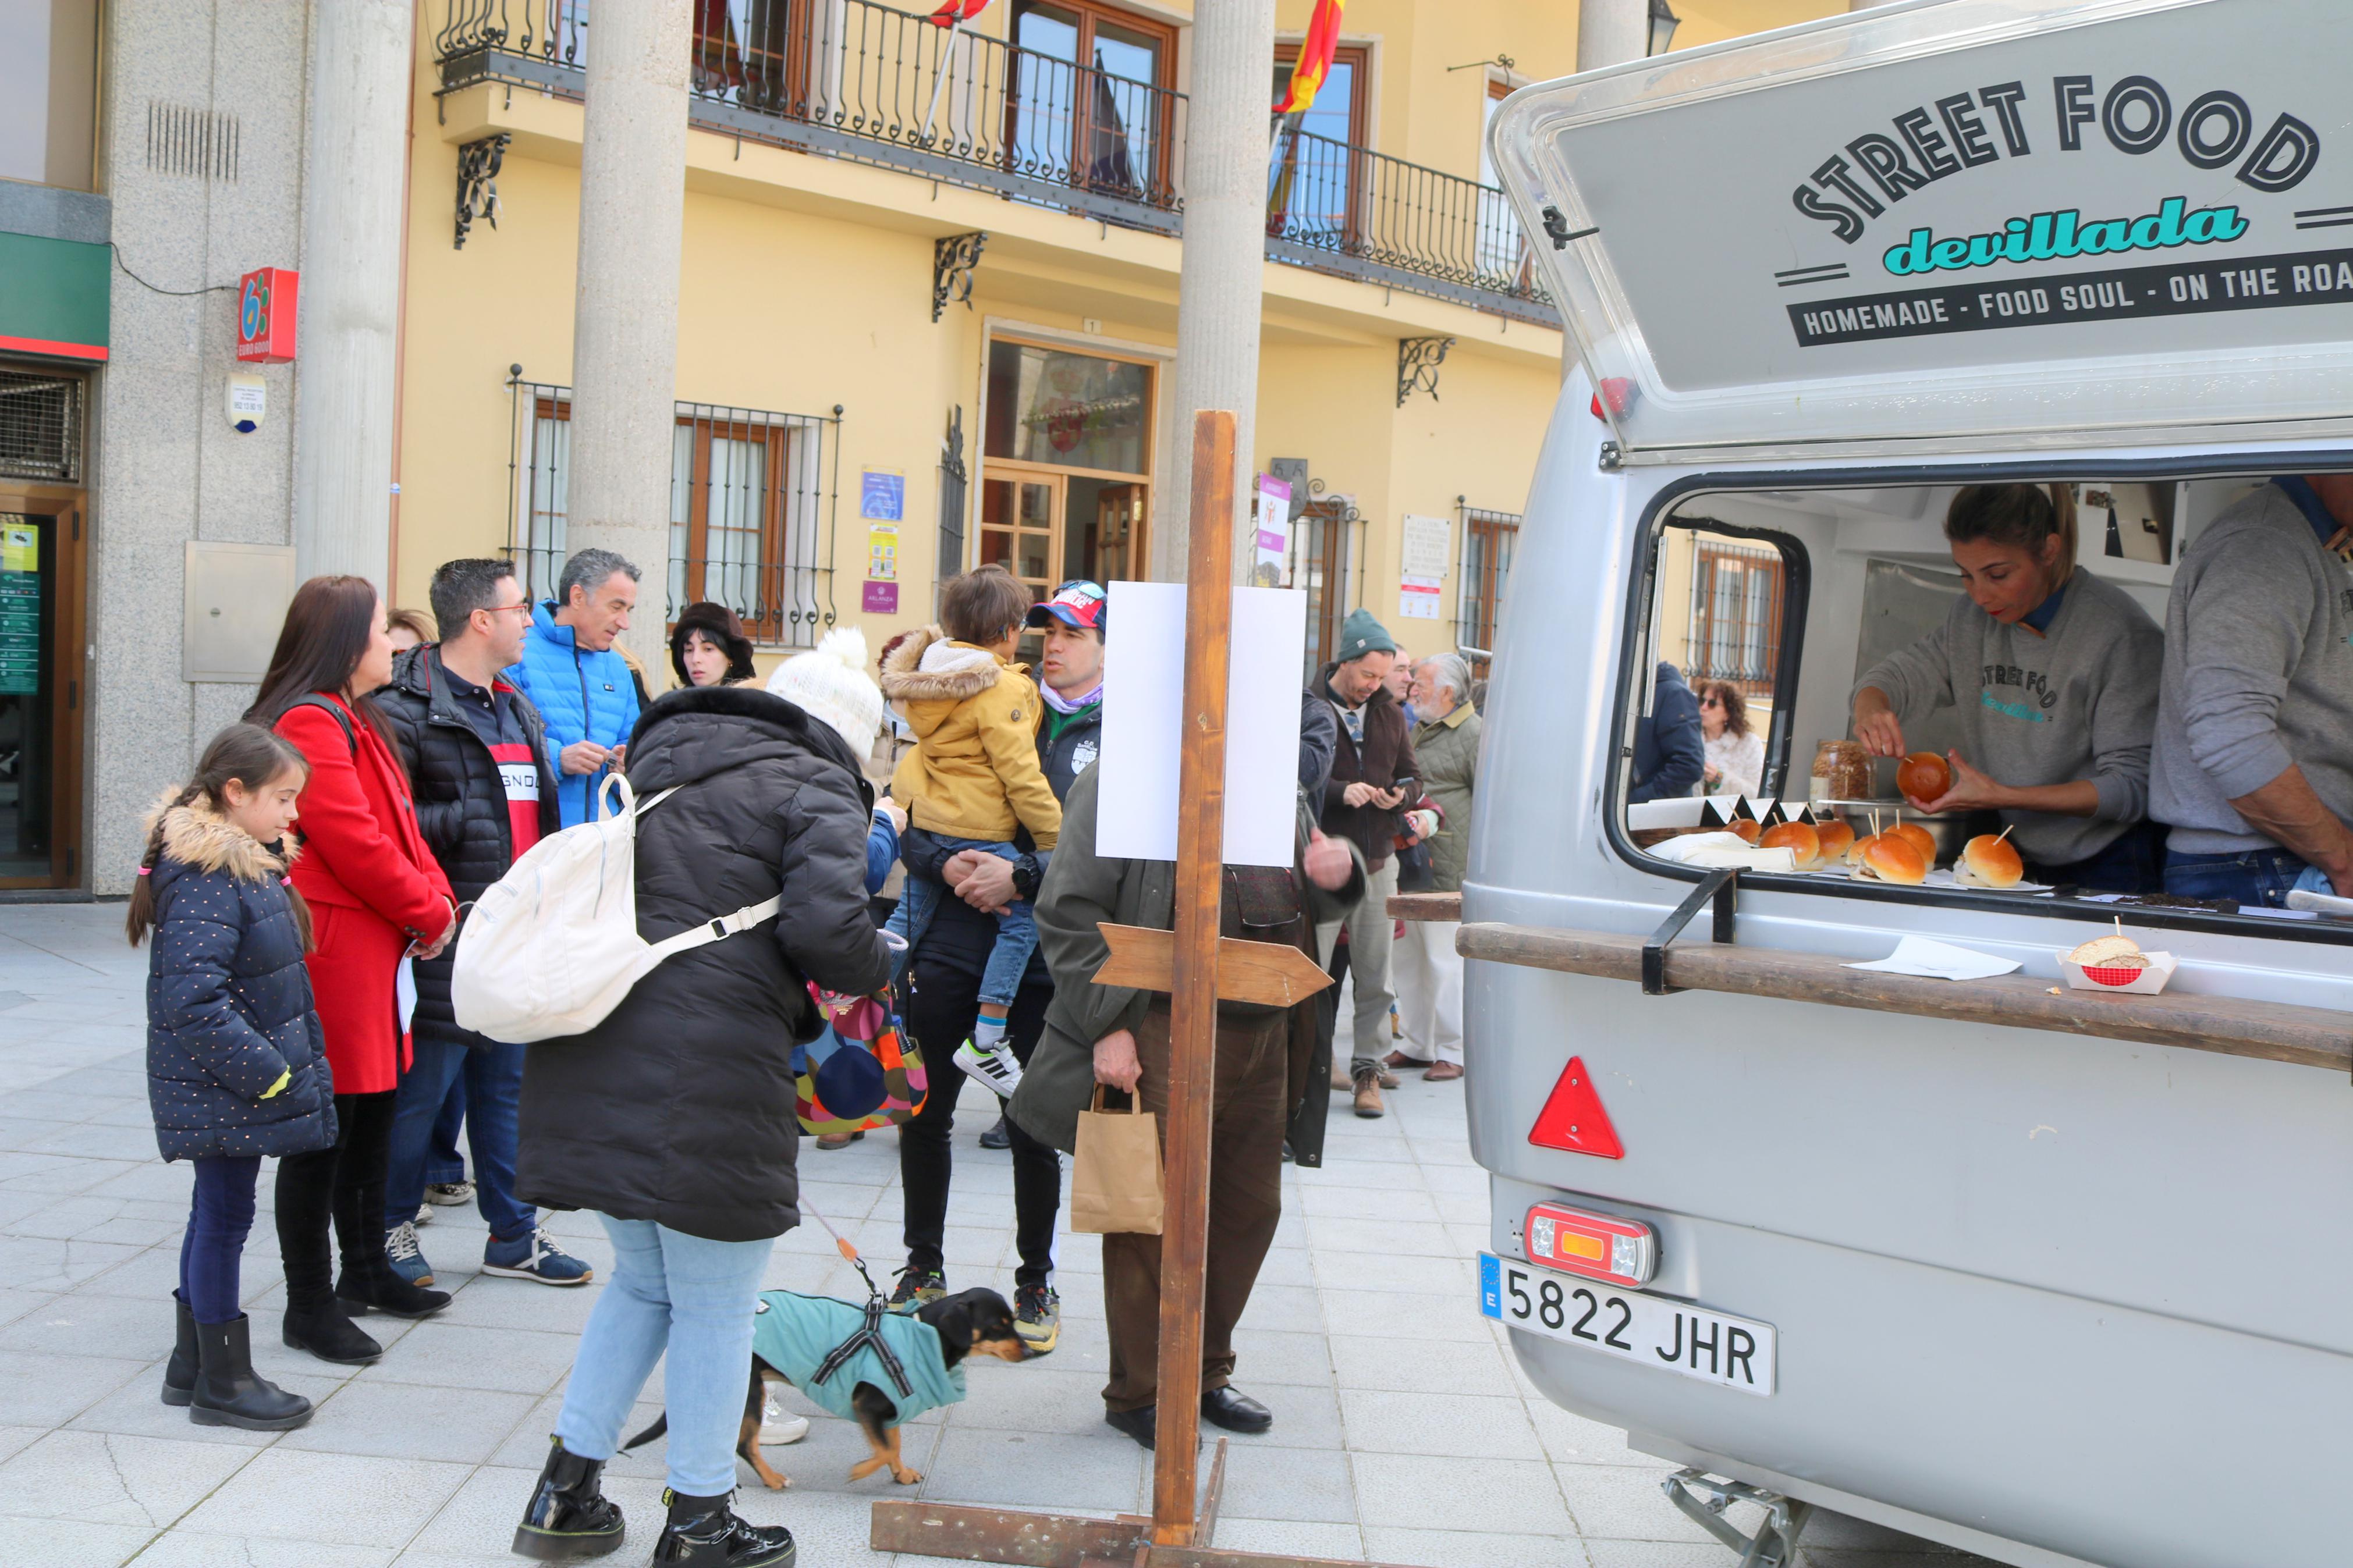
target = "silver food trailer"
x: 2052, y: 1276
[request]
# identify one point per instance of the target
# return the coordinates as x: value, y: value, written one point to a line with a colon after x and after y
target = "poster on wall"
x: 880, y: 599
x: 20, y: 608
x: 881, y: 495
x: 882, y: 553
x: 1272, y: 516
x: 1424, y: 552
x: 1418, y: 597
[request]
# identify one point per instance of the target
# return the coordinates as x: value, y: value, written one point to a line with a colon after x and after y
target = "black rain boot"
x: 568, y: 1516
x: 180, y: 1372
x: 327, y: 1331
x: 704, y: 1532
x: 229, y: 1393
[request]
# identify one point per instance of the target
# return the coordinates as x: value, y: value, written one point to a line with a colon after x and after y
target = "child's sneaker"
x: 995, y: 1066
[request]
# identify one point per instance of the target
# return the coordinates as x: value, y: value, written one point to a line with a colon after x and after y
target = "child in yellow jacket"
x: 973, y: 779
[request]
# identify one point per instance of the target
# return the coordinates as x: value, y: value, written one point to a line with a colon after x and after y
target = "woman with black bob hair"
x: 376, y: 894
x: 709, y: 647
x: 2053, y: 676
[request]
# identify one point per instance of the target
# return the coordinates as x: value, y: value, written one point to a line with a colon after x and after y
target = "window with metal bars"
x: 1489, y: 539
x: 752, y: 492
x: 1733, y: 632
x: 41, y: 424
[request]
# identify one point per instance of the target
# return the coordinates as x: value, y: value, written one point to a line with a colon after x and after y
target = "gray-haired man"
x: 577, y: 679
x: 1425, y: 967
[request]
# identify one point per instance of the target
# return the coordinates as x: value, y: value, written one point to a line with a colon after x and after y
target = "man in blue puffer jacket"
x: 578, y: 680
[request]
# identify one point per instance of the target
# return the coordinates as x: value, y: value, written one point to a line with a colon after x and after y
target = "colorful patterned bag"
x: 861, y: 1072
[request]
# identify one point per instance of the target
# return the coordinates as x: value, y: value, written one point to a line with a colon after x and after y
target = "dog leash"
x: 869, y: 1333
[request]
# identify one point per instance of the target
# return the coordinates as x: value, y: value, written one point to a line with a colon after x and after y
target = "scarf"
x: 1061, y: 704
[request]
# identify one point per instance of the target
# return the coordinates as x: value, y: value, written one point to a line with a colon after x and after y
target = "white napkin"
x: 1939, y: 961
x: 404, y: 991
x: 1718, y: 849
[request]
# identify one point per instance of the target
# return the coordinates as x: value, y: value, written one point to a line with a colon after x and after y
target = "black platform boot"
x: 229, y: 1393
x: 567, y: 1515
x: 704, y: 1532
x: 180, y: 1372
x: 327, y: 1331
x: 373, y: 1287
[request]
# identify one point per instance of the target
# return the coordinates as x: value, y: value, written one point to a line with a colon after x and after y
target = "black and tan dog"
x: 969, y: 1323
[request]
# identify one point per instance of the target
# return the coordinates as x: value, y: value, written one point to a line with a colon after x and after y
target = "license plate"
x: 1649, y: 1331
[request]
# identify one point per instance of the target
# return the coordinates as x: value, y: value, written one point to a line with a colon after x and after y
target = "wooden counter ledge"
x: 2309, y: 1037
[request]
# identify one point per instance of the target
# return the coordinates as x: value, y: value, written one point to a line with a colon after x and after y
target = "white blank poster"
x: 1143, y: 701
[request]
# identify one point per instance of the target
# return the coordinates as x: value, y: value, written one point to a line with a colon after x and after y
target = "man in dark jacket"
x: 476, y: 758
x: 1118, y: 1037
x: 944, y: 986
x: 674, y: 1119
x: 1669, y: 747
x: 1374, y: 777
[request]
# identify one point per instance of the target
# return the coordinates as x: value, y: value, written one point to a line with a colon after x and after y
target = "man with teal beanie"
x: 1374, y: 777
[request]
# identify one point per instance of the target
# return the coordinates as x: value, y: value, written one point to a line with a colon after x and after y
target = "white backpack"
x: 552, y: 946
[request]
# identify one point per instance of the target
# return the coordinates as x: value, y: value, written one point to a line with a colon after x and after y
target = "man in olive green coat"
x: 1426, y: 969
x: 1118, y: 1037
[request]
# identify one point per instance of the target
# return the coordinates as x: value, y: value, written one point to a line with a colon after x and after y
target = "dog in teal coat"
x: 878, y: 1369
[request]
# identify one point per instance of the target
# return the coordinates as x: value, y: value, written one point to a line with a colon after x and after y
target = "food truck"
x: 2050, y: 1274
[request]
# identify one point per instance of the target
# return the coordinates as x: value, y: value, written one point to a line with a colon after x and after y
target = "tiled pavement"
x: 1442, y: 1457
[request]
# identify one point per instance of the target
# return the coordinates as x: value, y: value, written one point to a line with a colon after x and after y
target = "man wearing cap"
x: 944, y: 977
x: 1374, y: 776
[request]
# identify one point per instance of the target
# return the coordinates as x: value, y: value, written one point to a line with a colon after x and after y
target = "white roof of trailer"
x: 2013, y: 223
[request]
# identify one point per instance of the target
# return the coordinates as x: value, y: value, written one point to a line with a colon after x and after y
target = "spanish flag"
x: 1315, y: 61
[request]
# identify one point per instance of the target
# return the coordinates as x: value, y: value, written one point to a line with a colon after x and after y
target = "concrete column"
x: 355, y: 169
x: 1611, y: 32
x: 1226, y: 154
x: 625, y: 314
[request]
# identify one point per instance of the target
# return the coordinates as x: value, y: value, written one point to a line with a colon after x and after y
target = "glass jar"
x: 1841, y: 772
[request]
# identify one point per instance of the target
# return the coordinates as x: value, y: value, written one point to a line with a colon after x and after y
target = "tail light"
x: 1597, y: 1245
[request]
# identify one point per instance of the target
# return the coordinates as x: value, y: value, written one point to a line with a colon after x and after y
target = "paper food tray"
x: 2144, y: 983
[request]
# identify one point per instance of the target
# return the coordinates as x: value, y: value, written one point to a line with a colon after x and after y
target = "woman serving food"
x: 2055, y: 676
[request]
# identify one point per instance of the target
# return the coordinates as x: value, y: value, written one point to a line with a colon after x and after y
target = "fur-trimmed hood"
x: 198, y: 836
x: 953, y: 671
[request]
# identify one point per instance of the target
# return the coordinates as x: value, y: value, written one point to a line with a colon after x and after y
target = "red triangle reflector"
x: 1573, y: 1119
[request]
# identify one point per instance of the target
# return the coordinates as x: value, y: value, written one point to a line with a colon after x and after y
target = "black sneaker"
x: 1038, y: 1318
x: 704, y: 1532
x: 918, y: 1287
x: 996, y: 1137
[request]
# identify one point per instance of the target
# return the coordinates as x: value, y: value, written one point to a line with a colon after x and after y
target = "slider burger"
x: 1924, y: 776
x: 2111, y: 952
x: 1745, y: 827
x: 1838, y: 841
x: 1889, y: 858
x: 1917, y: 837
x: 1988, y: 861
x: 1804, y: 845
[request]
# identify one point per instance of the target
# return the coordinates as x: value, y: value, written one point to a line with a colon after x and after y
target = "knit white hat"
x: 830, y: 682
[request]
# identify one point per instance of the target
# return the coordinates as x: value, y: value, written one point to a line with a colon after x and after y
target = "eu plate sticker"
x: 1491, y: 1285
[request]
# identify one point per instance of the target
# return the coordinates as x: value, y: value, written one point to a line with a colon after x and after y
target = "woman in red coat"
x: 376, y: 895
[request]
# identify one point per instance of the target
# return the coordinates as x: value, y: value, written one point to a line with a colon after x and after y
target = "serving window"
x: 1771, y: 610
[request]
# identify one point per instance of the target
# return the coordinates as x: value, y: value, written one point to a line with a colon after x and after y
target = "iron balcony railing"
x: 861, y: 80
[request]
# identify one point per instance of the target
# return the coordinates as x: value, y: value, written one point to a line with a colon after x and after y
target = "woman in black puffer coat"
x: 674, y: 1118
x: 237, y: 1065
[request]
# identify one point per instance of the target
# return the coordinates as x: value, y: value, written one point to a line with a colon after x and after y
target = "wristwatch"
x: 1025, y: 877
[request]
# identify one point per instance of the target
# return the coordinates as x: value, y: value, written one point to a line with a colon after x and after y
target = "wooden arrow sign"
x: 1273, y: 974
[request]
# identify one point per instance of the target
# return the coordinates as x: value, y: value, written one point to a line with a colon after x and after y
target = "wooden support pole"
x: 1193, y: 1002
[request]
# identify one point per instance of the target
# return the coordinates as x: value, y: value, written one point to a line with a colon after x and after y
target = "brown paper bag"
x: 1115, y: 1174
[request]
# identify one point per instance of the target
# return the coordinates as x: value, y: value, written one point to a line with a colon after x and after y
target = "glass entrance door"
x: 28, y: 695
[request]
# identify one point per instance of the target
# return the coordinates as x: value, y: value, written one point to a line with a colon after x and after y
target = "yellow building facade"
x: 903, y: 351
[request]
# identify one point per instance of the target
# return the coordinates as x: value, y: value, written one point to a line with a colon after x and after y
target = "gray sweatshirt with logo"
x: 2258, y: 674
x: 2078, y: 702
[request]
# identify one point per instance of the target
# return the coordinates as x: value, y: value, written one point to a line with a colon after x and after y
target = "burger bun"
x: 1889, y: 858
x: 1989, y: 861
x: 1804, y: 845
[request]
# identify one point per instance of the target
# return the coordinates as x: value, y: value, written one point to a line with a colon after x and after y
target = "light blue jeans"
x: 693, y: 1298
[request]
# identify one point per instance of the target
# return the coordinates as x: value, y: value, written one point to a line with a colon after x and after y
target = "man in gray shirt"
x: 2253, y: 761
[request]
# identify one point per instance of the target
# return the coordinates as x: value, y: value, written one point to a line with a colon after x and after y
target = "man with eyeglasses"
x: 477, y: 756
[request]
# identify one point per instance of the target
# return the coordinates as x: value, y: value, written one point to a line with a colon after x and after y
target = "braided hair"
x: 252, y: 756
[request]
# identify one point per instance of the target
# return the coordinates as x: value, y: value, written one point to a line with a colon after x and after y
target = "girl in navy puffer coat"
x: 236, y: 1066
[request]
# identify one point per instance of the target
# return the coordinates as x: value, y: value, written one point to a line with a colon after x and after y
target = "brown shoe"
x: 1443, y: 1072
x: 1400, y: 1060
x: 1340, y: 1079
x: 1368, y: 1095
x: 838, y: 1140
